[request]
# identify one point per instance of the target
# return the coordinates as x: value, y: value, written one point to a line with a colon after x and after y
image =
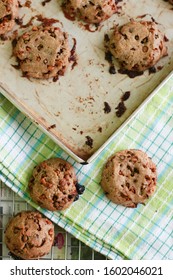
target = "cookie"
x: 8, y: 14
x: 138, y: 45
x: 94, y: 11
x: 43, y: 52
x: 53, y: 184
x: 129, y: 178
x: 29, y: 235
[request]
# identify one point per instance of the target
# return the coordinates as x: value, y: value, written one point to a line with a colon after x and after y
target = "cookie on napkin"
x: 129, y: 177
x: 53, y: 184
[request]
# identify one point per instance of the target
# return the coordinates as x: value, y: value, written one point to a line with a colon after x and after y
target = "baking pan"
x: 80, y: 111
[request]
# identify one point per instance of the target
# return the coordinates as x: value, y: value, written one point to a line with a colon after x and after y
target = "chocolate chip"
x: 89, y: 141
x: 107, y: 108
x: 76, y: 197
x: 80, y: 188
x: 125, y: 96
x: 121, y: 108
x: 112, y: 69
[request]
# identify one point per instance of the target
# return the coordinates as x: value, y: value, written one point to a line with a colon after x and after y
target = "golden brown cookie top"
x: 29, y: 235
x: 138, y: 45
x: 129, y: 177
x: 53, y: 184
x: 8, y: 13
x: 43, y: 52
x: 94, y: 11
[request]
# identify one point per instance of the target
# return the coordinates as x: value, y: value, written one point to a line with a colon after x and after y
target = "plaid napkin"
x: 115, y: 231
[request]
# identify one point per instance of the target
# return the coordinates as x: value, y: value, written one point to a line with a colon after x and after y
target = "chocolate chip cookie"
x: 8, y: 13
x: 53, y: 184
x: 29, y: 235
x: 43, y: 52
x: 129, y: 177
x: 138, y: 45
x: 94, y: 11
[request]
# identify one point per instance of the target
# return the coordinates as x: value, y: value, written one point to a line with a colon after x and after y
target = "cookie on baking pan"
x: 129, y: 177
x: 43, y: 52
x: 29, y: 235
x: 53, y: 184
x: 8, y: 13
x: 138, y: 45
x: 94, y: 11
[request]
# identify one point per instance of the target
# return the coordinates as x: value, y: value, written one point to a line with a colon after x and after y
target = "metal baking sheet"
x: 72, y: 110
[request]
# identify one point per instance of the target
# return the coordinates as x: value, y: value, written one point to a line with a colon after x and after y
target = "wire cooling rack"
x: 66, y: 247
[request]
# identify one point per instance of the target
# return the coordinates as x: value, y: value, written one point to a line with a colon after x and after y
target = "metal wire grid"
x: 66, y: 246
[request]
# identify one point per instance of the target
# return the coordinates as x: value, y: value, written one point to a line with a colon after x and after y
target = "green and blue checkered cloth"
x: 115, y: 231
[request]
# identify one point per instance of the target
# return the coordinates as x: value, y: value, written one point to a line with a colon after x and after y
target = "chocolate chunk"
x: 89, y: 141
x: 125, y: 96
x: 107, y: 108
x: 121, y: 108
x: 80, y: 188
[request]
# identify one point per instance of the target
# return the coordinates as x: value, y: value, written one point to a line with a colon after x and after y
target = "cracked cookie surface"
x: 29, y: 235
x: 43, y: 52
x: 129, y: 177
x: 8, y: 13
x: 53, y: 184
x: 138, y: 45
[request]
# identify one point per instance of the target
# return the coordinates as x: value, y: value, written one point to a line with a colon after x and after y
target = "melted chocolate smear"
x: 107, y: 108
x: 125, y: 96
x: 73, y: 56
x: 80, y: 188
x: 121, y: 108
x: 152, y: 70
x: 89, y: 141
x: 154, y: 20
x: 131, y: 74
x: 142, y: 16
x: 45, y: 2
x: 29, y: 23
x: 46, y: 21
x: 51, y: 126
